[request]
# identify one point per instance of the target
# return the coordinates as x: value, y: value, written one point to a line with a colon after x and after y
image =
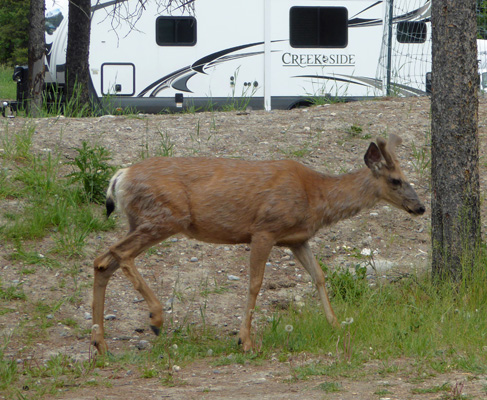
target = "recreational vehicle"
x: 258, y: 53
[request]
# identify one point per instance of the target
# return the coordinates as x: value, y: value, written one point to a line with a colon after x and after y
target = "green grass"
x: 438, y: 328
x: 50, y: 203
x: 8, y: 88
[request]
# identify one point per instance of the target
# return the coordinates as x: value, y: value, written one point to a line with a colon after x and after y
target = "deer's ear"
x: 373, y: 158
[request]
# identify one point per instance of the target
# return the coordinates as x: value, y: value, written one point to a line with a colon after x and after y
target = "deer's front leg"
x: 305, y: 256
x: 104, y: 265
x: 260, y: 249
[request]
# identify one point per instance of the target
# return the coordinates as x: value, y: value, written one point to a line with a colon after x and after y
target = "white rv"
x: 264, y: 53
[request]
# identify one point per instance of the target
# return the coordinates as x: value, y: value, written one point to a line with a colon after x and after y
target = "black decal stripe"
x: 180, y: 78
x: 233, y: 57
x: 369, y: 7
x: 164, y: 79
x: 200, y: 64
x: 422, y: 13
x: 333, y: 78
x: 353, y: 23
x: 407, y: 89
x: 182, y: 83
x: 48, y: 52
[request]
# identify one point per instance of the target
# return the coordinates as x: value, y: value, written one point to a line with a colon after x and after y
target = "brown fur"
x: 264, y: 203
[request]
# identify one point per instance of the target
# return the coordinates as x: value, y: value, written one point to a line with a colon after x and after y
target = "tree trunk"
x: 37, y: 46
x: 455, y: 200
x: 77, y: 55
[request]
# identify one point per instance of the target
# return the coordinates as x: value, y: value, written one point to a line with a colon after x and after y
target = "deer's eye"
x: 396, y: 182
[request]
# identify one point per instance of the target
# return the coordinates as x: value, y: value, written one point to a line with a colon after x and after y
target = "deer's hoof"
x: 156, y: 330
x: 246, y: 345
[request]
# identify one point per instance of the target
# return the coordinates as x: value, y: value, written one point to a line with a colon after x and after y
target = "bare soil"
x: 331, y: 139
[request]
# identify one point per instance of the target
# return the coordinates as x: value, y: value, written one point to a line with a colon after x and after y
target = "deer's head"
x: 394, y: 188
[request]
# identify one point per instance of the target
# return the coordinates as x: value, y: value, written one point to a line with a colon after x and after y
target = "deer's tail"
x: 111, y: 200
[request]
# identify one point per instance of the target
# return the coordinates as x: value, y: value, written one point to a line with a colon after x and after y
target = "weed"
x: 330, y: 387
x: 94, y: 172
x: 8, y: 366
x: 354, y: 130
x: 297, y: 153
x: 12, y: 292
x: 30, y: 258
x: 240, y: 103
x: 164, y: 149
x: 55, y: 103
x: 446, y: 387
x: 347, y: 286
x: 382, y: 392
x: 17, y: 146
x: 421, y: 158
x: 197, y: 138
x: 8, y: 87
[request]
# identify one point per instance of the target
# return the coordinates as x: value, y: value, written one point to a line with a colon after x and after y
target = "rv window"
x: 176, y: 31
x: 318, y: 27
x: 411, y: 32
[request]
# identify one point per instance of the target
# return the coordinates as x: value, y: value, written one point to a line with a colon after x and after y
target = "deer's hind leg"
x: 122, y: 255
x: 126, y: 251
x: 104, y: 265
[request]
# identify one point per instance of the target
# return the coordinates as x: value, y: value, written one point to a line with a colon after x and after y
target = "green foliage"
x: 11, y: 292
x: 482, y: 19
x: 354, y: 130
x: 14, y: 35
x: 330, y: 387
x: 8, y: 367
x: 346, y: 285
x: 55, y: 103
x: 93, y: 172
x: 49, y: 203
x: 17, y: 145
x: 8, y: 87
x: 164, y: 148
x: 242, y: 101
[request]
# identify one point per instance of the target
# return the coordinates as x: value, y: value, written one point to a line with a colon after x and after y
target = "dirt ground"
x: 331, y: 139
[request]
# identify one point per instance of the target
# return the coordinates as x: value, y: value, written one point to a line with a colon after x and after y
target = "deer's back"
x: 219, y: 200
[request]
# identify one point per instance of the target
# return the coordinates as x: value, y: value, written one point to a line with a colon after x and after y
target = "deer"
x: 234, y: 201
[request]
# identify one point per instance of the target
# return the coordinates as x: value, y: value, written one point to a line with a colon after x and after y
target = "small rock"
x: 233, y: 278
x: 110, y: 317
x: 142, y: 344
x: 169, y: 303
x: 176, y: 368
x: 87, y: 315
x: 49, y: 316
x: 193, y: 259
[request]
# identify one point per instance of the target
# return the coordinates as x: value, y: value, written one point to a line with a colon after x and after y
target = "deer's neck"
x: 343, y: 196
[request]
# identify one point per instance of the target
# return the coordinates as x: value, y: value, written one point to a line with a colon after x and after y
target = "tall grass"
x: 48, y: 202
x: 8, y: 88
x: 437, y: 323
